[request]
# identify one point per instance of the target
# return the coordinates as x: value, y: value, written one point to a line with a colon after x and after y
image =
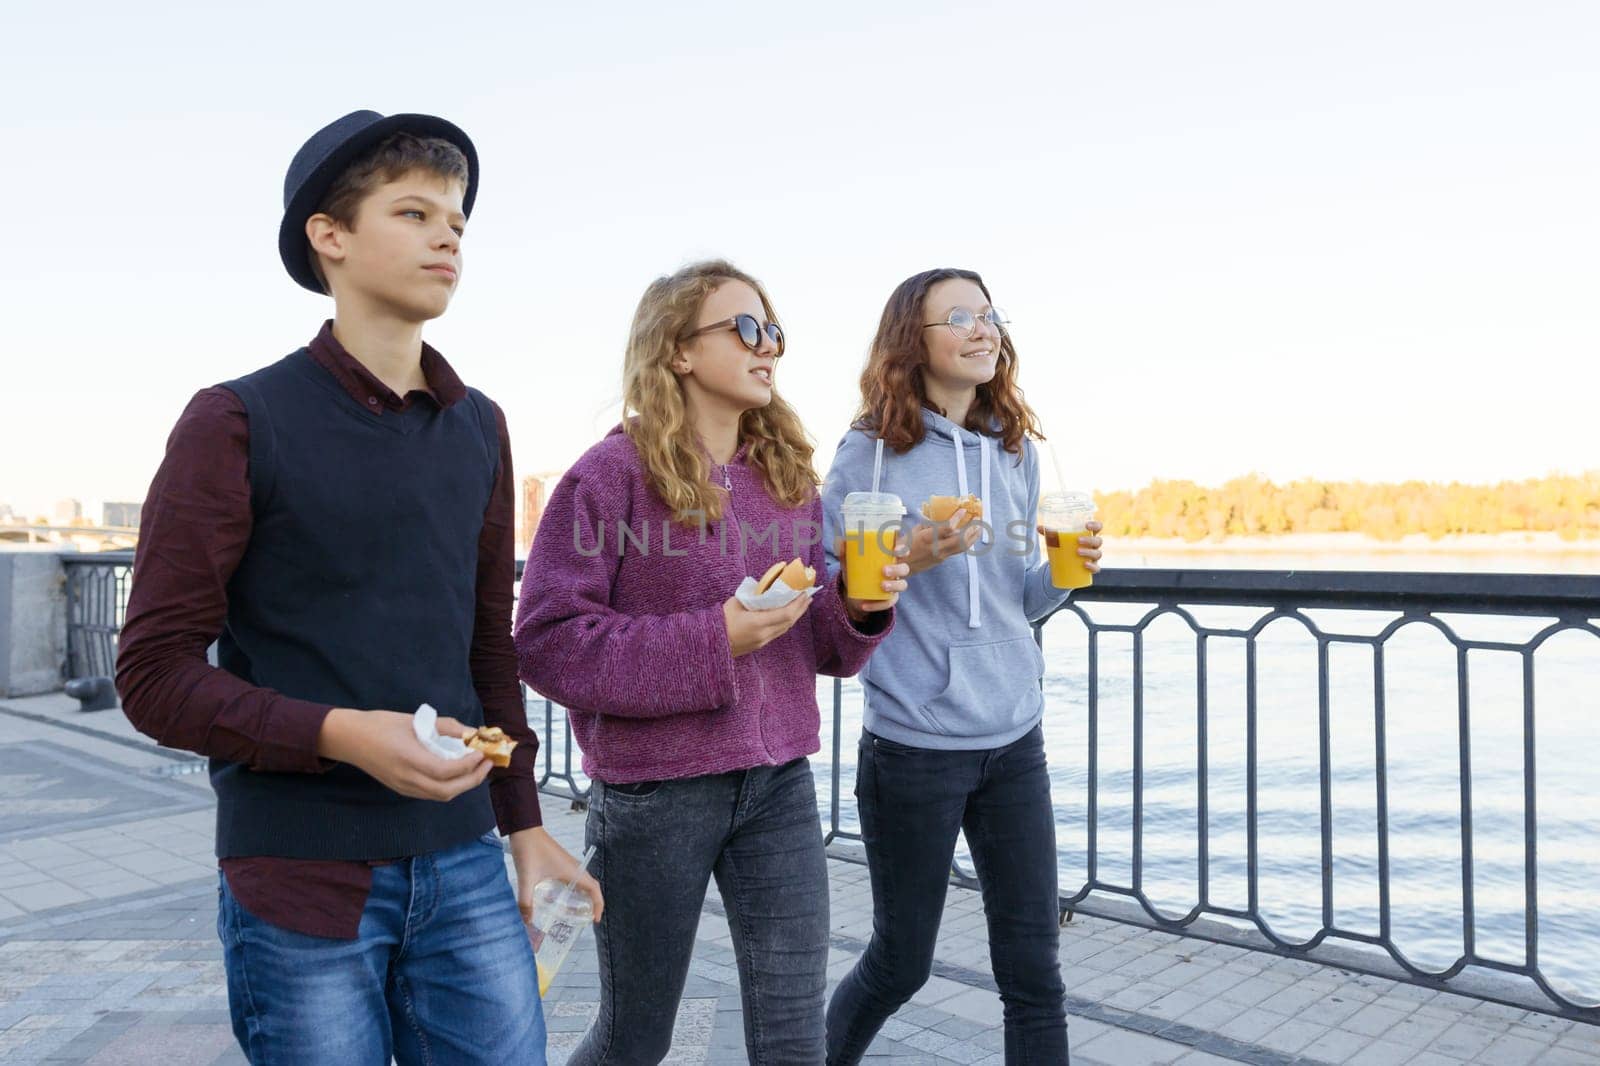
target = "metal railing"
x: 97, y: 603
x: 563, y: 782
x: 1548, y: 606
x: 1562, y: 604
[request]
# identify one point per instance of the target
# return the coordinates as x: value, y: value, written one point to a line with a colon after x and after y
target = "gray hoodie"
x: 961, y: 670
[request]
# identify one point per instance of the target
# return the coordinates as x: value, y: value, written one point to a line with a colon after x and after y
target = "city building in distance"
x: 120, y: 515
x: 534, y: 491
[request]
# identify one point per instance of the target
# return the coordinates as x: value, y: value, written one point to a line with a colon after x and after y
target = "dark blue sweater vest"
x: 358, y: 589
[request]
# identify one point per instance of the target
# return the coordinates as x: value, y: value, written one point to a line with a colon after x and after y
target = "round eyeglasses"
x: 963, y: 323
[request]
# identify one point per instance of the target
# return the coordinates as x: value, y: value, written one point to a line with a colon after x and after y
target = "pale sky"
x: 1352, y: 240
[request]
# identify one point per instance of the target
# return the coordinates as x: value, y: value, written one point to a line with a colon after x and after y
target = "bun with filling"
x: 493, y: 742
x: 794, y: 573
x: 940, y: 508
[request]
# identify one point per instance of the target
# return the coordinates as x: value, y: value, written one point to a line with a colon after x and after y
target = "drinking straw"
x: 566, y: 893
x: 877, y: 466
x: 1055, y: 459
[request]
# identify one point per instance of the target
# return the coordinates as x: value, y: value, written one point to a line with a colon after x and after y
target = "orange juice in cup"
x: 871, y: 522
x: 1065, y: 517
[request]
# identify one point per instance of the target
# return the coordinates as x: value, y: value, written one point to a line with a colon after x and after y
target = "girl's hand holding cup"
x: 894, y: 584
x: 1089, y: 544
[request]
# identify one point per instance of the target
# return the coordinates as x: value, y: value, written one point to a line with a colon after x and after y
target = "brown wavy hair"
x: 655, y: 419
x: 892, y: 390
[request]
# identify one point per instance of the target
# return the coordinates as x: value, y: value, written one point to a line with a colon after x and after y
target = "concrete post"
x: 33, y: 623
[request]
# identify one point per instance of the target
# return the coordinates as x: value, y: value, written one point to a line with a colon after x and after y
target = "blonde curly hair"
x: 654, y: 416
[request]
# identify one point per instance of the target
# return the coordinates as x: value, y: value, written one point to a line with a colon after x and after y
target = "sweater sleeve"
x: 842, y: 646
x: 514, y: 789
x: 1039, y: 596
x: 574, y: 648
x: 195, y: 527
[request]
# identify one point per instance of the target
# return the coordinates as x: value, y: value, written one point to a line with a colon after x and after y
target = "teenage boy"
x: 340, y: 522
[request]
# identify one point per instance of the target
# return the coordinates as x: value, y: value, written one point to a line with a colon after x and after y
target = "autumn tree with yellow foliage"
x: 1568, y: 506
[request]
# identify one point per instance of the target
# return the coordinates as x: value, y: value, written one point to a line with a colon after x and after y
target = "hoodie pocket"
x: 992, y: 688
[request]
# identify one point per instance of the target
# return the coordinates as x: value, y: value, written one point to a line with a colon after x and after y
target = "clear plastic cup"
x: 871, y: 524
x: 559, y: 919
x: 1065, y: 517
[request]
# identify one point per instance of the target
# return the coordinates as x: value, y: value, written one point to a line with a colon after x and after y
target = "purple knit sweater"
x: 635, y: 646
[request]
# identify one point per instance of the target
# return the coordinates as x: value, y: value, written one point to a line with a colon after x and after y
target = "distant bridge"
x: 26, y: 533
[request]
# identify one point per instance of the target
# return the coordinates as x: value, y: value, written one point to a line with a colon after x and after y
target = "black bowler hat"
x: 324, y: 157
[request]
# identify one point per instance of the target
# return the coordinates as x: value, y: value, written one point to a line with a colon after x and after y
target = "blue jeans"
x: 658, y: 845
x: 440, y: 972
x: 913, y: 801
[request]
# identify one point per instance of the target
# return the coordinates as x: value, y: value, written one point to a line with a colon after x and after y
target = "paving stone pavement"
x: 108, y: 951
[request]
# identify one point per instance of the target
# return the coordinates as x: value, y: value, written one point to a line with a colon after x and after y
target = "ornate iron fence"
x: 1547, y: 607
x: 97, y: 602
x: 1550, y: 606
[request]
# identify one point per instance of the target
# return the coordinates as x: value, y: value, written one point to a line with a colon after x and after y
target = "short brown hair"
x: 389, y: 160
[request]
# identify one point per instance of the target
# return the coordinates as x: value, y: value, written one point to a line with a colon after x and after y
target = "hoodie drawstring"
x: 973, y: 603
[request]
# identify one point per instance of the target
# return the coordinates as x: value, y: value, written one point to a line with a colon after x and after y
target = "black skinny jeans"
x: 912, y: 802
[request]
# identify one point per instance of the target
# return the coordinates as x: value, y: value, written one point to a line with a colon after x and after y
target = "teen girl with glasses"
x: 953, y: 738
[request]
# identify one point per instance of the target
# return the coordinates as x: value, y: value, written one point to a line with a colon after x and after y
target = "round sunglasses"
x: 749, y: 330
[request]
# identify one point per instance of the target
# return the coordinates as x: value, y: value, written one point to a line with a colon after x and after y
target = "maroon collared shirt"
x: 194, y: 530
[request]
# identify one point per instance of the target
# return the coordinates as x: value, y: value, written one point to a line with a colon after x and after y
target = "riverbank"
x: 1477, y: 552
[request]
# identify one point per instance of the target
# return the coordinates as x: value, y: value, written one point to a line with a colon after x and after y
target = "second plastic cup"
x: 1065, y: 516
x: 559, y: 918
x: 868, y: 544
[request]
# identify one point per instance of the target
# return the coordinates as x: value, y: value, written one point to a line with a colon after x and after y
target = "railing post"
x: 1469, y: 931
x: 1325, y: 781
x: 833, y: 794
x: 1202, y: 777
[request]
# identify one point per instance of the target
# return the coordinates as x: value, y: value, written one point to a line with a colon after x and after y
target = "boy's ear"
x: 326, y: 237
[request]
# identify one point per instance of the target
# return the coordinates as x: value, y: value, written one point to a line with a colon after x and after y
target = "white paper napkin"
x: 425, y: 723
x: 779, y: 595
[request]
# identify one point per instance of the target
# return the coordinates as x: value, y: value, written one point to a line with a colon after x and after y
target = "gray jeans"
x: 657, y: 846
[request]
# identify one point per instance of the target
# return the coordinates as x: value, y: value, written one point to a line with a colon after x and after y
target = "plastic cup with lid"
x: 1065, y: 517
x: 560, y: 914
x: 871, y: 526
